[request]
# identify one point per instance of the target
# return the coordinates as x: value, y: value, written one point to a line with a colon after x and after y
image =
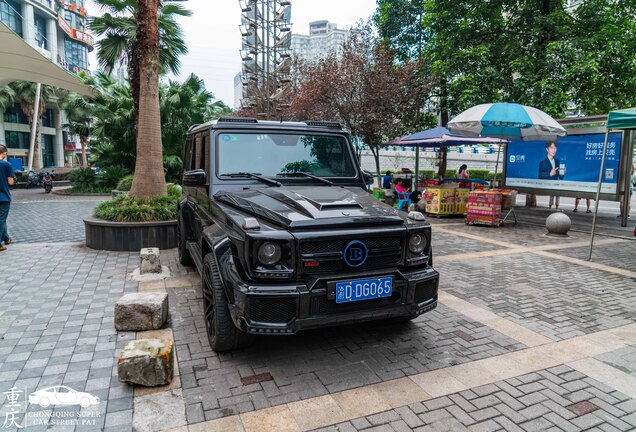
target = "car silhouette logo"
x: 62, y: 395
x: 355, y: 253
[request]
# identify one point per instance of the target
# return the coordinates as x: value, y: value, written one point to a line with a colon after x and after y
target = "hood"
x: 304, y: 207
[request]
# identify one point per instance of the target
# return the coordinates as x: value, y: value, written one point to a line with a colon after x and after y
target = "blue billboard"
x: 570, y: 164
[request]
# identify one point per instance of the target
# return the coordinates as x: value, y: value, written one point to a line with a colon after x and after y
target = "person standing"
x: 462, y: 173
x: 576, y: 205
x: 6, y: 180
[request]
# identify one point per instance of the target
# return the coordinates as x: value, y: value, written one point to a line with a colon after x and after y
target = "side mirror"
x: 368, y: 178
x: 194, y: 178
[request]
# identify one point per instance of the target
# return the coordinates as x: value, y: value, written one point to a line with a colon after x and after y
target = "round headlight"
x: 269, y: 253
x: 417, y: 243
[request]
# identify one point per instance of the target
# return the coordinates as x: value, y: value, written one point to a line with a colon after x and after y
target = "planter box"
x: 129, y: 236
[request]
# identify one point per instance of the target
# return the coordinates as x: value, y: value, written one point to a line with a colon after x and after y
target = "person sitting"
x: 400, y: 187
x: 462, y: 173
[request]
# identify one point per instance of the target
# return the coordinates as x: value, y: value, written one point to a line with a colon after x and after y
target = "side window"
x: 205, y: 154
x: 197, y: 153
x: 187, y: 155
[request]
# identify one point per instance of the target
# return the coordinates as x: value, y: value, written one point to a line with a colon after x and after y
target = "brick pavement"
x: 66, y: 335
x: 555, y: 399
x: 56, y: 327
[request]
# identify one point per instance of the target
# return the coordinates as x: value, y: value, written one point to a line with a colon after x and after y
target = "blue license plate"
x: 364, y: 289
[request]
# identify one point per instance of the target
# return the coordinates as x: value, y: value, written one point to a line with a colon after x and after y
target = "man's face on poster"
x: 552, y: 149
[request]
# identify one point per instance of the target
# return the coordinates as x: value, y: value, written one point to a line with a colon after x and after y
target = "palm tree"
x: 117, y: 28
x: 23, y: 93
x: 149, y: 180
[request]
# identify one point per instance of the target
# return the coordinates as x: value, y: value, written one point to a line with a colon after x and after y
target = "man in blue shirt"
x: 6, y: 180
x: 387, y: 180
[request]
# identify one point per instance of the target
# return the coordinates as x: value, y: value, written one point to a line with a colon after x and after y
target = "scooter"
x: 47, y: 181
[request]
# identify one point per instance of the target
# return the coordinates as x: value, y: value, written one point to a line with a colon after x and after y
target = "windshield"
x: 272, y: 154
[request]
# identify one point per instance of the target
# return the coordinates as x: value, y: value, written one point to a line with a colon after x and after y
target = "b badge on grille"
x: 355, y: 253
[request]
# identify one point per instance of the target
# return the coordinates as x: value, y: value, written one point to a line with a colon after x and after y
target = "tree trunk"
x: 84, y: 159
x: 376, y: 157
x: 149, y: 180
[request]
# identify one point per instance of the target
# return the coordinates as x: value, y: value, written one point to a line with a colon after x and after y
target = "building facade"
x: 57, y: 29
x: 324, y: 37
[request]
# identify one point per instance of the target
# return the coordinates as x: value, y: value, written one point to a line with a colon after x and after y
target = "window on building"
x: 14, y: 114
x: 48, y: 118
x: 40, y: 32
x: 48, y: 150
x: 9, y: 14
x: 75, y: 53
x: 17, y: 140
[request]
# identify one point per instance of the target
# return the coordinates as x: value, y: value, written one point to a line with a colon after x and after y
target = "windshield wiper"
x: 254, y: 176
x: 306, y: 174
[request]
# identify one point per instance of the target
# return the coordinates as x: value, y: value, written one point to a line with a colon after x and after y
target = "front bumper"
x: 287, y: 309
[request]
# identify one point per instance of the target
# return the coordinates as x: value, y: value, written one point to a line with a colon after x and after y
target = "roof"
x: 622, y: 119
x: 19, y: 61
x: 251, y: 123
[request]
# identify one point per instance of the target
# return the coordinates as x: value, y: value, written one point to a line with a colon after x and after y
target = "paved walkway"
x: 528, y: 336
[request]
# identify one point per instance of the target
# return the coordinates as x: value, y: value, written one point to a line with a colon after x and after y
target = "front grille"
x: 272, y: 309
x: 322, y: 306
x: 384, y: 251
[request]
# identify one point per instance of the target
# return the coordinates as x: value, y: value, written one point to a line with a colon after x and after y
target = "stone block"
x: 146, y: 362
x: 141, y: 311
x: 149, y: 261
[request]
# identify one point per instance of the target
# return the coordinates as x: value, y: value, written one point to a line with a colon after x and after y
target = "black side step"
x: 195, y: 253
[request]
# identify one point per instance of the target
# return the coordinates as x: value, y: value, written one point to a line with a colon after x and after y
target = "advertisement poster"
x: 572, y: 164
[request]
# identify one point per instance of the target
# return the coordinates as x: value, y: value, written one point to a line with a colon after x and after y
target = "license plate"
x: 364, y: 289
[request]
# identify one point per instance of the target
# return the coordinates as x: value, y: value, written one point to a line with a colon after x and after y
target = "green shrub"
x: 83, y: 178
x: 491, y: 176
x: 478, y: 173
x: 127, y: 209
x: 109, y: 177
x: 125, y: 184
x: 428, y: 174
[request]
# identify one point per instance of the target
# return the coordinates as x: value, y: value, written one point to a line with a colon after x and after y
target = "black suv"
x: 278, y: 221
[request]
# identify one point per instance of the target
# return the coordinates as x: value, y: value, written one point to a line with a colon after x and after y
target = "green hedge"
x: 125, y: 184
x: 123, y: 208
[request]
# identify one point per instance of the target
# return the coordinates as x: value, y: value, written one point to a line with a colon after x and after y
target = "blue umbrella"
x: 507, y: 120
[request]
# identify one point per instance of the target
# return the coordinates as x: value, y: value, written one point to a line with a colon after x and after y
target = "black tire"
x: 184, y: 254
x: 222, y: 333
x: 48, y: 188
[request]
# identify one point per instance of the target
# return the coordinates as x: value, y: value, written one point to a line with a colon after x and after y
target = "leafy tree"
x: 365, y: 89
x: 23, y: 93
x: 117, y: 29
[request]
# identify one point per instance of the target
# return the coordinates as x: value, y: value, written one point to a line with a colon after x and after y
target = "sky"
x: 213, y: 37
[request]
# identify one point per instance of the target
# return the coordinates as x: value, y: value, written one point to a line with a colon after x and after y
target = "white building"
x: 238, y: 90
x: 324, y: 37
x: 56, y: 28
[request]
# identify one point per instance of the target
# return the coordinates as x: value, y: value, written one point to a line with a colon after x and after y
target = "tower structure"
x: 266, y: 55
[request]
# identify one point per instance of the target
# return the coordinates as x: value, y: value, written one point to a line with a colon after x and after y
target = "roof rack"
x: 328, y: 124
x: 238, y: 120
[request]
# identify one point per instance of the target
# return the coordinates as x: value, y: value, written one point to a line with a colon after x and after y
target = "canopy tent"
x: 622, y: 120
x: 437, y: 137
x: 19, y: 61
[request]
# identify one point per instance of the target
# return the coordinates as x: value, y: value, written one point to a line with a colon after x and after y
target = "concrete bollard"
x: 149, y: 261
x: 141, y: 311
x: 558, y: 223
x: 146, y: 362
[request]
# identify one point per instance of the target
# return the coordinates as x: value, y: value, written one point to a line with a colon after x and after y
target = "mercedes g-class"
x: 277, y: 218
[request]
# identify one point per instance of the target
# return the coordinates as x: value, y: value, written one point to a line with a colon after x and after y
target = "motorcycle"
x: 47, y: 181
x: 44, y: 179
